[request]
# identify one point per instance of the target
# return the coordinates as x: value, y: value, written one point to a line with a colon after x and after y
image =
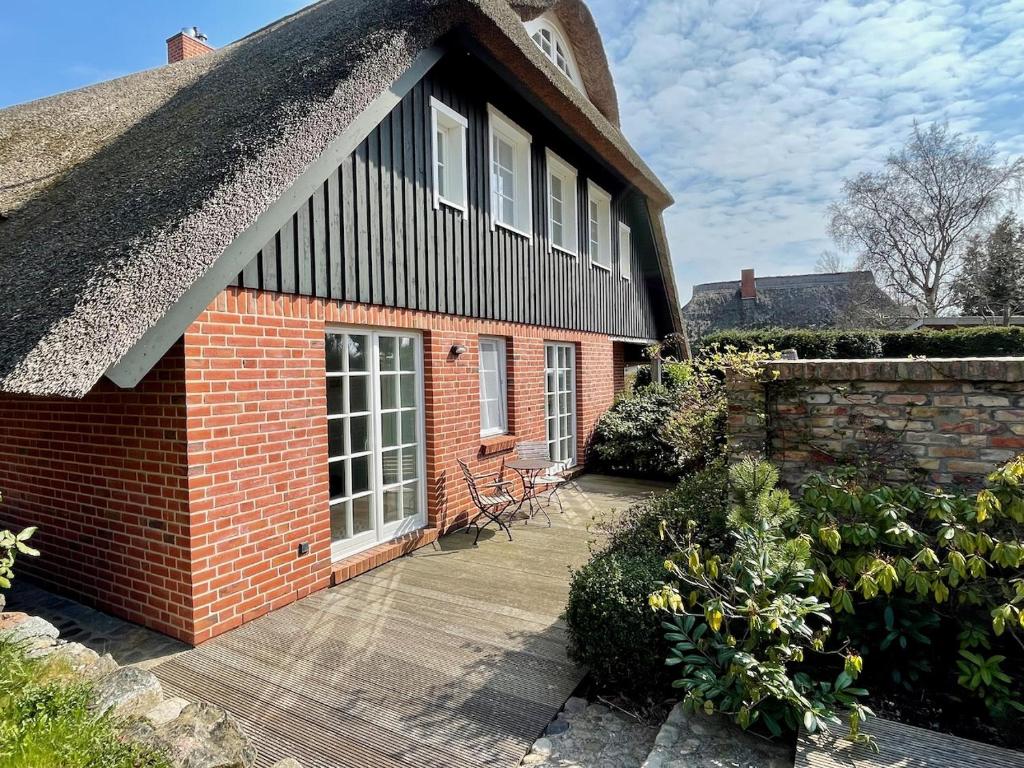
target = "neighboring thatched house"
x: 835, y: 300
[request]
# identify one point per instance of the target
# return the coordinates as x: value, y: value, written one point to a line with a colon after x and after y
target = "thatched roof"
x: 116, y: 198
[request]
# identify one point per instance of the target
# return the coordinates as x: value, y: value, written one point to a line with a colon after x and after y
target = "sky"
x: 752, y: 113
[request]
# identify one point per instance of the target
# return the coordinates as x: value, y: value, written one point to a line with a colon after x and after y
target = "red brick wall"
x: 104, y: 479
x: 618, y: 366
x: 257, y: 453
x: 258, y: 445
x: 241, y: 402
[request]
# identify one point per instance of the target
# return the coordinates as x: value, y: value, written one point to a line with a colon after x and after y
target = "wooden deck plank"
x: 901, y: 745
x: 454, y: 656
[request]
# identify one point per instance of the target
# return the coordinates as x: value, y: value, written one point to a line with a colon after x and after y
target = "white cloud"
x: 753, y: 113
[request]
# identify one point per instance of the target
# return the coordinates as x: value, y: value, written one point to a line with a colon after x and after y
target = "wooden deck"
x: 452, y: 657
x: 902, y: 746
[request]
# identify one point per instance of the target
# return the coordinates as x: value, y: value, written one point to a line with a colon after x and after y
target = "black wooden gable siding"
x: 371, y: 234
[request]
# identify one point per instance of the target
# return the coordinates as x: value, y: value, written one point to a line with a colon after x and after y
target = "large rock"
x: 20, y: 627
x: 202, y: 736
x: 166, y: 711
x: 127, y: 692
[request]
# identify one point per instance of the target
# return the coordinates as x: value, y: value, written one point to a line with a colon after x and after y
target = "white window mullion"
x: 449, y: 155
x: 509, y: 164
x: 493, y: 387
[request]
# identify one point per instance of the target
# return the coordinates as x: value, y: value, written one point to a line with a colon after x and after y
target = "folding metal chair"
x: 493, y: 498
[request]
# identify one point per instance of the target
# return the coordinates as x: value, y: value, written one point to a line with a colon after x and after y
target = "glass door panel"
x: 560, y: 402
x: 375, y: 437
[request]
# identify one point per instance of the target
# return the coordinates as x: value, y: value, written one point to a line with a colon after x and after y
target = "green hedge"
x: 980, y: 341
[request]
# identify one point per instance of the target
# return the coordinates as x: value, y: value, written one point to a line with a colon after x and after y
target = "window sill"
x: 440, y: 201
x: 599, y: 265
x: 563, y: 251
x: 513, y: 230
x: 490, y: 446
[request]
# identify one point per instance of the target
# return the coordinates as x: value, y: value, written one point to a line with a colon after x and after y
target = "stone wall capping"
x: 1001, y: 369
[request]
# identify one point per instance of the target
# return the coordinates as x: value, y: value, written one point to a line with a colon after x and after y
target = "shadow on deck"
x: 453, y: 656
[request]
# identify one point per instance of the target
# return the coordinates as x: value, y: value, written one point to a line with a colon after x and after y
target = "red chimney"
x: 748, y: 290
x: 187, y: 44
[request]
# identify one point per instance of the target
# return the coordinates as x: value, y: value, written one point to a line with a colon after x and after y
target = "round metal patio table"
x: 528, y: 471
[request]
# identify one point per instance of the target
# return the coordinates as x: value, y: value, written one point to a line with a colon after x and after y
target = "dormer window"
x: 551, y: 44
x: 548, y: 35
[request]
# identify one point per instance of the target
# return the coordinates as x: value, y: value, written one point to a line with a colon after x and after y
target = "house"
x: 831, y: 300
x: 258, y: 302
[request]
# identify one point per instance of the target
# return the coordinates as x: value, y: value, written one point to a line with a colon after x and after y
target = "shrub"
x: 612, y: 632
x: 990, y: 341
x: 46, y: 721
x: 696, y: 505
x: 928, y: 584
x: 12, y: 544
x: 665, y: 431
x: 809, y: 344
x: 743, y: 623
x: 630, y: 437
x: 985, y: 341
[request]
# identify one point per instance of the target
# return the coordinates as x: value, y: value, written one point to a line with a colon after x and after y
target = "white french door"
x: 375, y: 437
x: 560, y: 398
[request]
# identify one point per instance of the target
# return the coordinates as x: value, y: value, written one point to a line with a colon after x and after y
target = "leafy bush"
x: 809, y: 344
x: 630, y: 437
x: 664, y: 431
x: 697, y: 505
x: 982, y: 341
x: 12, y: 544
x: 611, y: 630
x: 929, y: 585
x: 46, y: 722
x: 673, y: 375
x: 742, y: 624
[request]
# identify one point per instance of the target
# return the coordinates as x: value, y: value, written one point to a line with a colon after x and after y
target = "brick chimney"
x: 187, y: 44
x: 748, y: 290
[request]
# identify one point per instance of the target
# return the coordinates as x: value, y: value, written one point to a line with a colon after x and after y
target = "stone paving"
x: 702, y: 741
x: 592, y: 736
x: 127, y: 643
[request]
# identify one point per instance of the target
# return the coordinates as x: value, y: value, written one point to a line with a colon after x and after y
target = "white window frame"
x: 502, y: 355
x: 500, y: 126
x: 558, y: 38
x: 557, y: 167
x: 444, y: 118
x: 603, y: 258
x: 625, y: 251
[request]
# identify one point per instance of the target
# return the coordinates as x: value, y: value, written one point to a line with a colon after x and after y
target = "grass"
x: 45, y: 720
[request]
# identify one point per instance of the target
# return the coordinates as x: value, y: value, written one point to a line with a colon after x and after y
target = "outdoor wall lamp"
x: 458, y: 349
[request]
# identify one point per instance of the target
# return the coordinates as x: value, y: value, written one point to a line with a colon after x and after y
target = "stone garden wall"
x: 949, y: 421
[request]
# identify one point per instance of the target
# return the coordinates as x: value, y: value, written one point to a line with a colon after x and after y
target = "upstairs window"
x: 493, y: 387
x: 625, y: 251
x: 555, y: 48
x: 449, y: 131
x: 510, y: 174
x: 562, y: 205
x: 599, y: 226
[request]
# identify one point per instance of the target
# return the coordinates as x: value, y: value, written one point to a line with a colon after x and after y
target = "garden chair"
x: 493, y: 499
x: 547, y: 484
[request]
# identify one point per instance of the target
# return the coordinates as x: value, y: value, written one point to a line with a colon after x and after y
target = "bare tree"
x: 911, y: 222
x: 830, y: 261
